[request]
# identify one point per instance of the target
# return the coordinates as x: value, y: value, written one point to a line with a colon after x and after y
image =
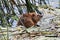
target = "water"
x: 53, y: 3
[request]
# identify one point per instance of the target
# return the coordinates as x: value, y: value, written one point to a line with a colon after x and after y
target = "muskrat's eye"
x: 33, y: 15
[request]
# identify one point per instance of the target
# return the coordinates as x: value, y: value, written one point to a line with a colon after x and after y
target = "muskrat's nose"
x: 41, y: 15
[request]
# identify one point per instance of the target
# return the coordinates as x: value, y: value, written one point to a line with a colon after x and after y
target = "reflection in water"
x: 24, y: 9
x: 14, y: 24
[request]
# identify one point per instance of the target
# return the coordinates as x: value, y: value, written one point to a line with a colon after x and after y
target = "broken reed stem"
x: 7, y: 33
